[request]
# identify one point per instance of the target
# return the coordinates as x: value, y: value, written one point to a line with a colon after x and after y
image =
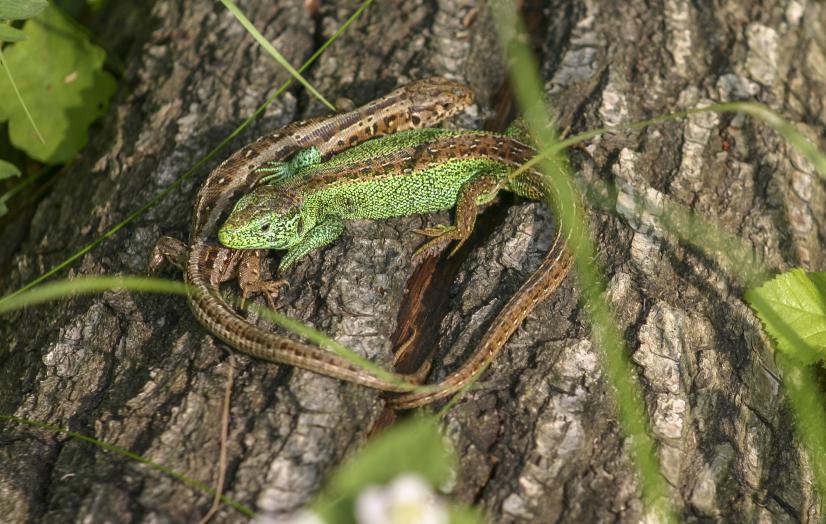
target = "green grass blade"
x: 685, y: 223
x: 263, y: 42
x: 324, y: 341
x: 86, y: 285
x: 619, y: 372
x: 98, y: 284
x: 190, y: 172
x: 784, y: 128
x: 761, y: 112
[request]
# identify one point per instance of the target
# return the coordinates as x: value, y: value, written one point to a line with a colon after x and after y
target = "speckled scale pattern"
x: 406, y: 173
x: 410, y: 172
x: 421, y: 103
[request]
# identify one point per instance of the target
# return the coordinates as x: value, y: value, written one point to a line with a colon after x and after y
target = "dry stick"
x: 222, y: 456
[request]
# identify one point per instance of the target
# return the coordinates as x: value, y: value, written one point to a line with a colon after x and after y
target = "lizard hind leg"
x: 168, y: 249
x: 481, y: 189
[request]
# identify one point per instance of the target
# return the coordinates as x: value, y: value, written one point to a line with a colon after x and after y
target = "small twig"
x: 222, y: 456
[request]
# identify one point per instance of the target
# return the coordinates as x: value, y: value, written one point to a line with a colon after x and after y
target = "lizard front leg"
x: 250, y: 281
x: 276, y: 171
x: 480, y: 190
x: 226, y: 263
x: 319, y: 236
x: 279, y: 170
x: 223, y: 262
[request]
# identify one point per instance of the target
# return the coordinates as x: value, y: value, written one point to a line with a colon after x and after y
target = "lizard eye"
x: 265, y: 228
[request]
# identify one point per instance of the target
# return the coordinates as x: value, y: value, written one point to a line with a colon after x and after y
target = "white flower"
x: 406, y: 500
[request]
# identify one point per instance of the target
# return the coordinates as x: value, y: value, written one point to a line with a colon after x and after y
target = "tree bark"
x: 541, y: 443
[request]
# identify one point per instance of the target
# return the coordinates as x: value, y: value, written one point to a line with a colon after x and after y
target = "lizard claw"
x: 429, y: 249
x: 442, y: 235
x: 269, y: 288
x: 435, y: 231
x: 275, y: 172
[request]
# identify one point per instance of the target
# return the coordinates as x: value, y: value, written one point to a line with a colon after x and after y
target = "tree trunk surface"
x: 541, y: 441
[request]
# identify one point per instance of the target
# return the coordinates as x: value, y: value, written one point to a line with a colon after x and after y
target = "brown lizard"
x: 416, y: 171
x: 206, y: 264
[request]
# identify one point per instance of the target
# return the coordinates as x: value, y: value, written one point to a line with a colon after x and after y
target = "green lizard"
x: 206, y: 265
x: 304, y: 203
x: 304, y: 206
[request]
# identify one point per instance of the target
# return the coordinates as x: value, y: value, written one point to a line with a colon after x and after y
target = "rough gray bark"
x: 541, y: 444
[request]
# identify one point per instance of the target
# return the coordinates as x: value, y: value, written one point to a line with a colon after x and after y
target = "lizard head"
x: 266, y: 217
x: 434, y: 99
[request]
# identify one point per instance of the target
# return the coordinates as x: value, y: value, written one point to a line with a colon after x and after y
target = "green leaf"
x: 59, y: 74
x: 10, y: 34
x: 792, y: 306
x: 20, y: 9
x: 414, y: 446
x: 8, y: 170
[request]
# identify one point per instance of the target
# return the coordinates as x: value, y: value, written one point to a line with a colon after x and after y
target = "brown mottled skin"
x: 420, y: 104
x: 206, y: 264
x: 539, y: 286
x: 414, y: 172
